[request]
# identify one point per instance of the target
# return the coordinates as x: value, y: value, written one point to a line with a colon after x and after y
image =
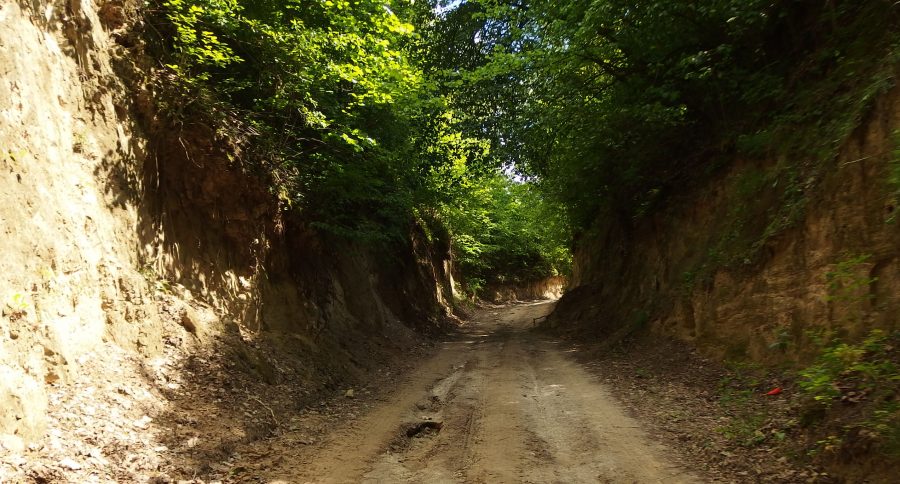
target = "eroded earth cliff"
x: 152, y: 288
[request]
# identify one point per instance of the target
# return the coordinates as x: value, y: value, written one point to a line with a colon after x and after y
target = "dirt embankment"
x: 547, y: 288
x: 149, y: 281
x: 753, y: 268
x: 750, y: 261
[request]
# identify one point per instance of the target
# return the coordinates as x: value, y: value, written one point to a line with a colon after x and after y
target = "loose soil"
x: 717, y: 417
x: 497, y: 402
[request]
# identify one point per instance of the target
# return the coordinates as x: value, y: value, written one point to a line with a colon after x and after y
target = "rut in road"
x: 510, y: 407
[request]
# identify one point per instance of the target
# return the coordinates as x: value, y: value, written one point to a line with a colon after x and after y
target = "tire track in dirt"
x: 498, y: 403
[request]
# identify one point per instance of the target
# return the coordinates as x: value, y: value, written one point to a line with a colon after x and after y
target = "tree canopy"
x: 350, y: 116
x: 512, y: 125
x: 614, y: 104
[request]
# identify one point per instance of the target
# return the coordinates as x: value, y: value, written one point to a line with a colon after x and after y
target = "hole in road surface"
x: 423, y: 429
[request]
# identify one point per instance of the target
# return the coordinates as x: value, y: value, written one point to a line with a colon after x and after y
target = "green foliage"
x: 615, y: 104
x: 517, y: 124
x: 884, y: 423
x: 867, y: 366
x: 893, y: 175
x: 196, y: 46
x: 745, y: 429
x: 738, y: 394
x: 856, y: 373
x: 504, y: 232
x: 17, y: 302
x: 782, y: 340
x: 849, y: 283
x: 340, y: 108
x: 863, y: 365
x: 327, y: 93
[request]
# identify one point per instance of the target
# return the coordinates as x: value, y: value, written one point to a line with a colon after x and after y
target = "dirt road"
x: 496, y: 403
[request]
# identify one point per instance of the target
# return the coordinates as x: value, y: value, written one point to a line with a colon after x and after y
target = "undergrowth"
x: 752, y: 421
x: 737, y: 394
x: 858, y: 385
x: 852, y: 387
x: 893, y: 175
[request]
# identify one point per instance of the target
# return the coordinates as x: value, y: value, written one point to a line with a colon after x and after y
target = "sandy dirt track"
x: 497, y: 403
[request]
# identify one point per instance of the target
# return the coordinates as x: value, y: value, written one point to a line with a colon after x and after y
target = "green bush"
x: 866, y: 372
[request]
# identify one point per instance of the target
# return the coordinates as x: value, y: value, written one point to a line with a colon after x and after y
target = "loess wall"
x: 547, y: 288
x: 121, y: 231
x: 704, y: 269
